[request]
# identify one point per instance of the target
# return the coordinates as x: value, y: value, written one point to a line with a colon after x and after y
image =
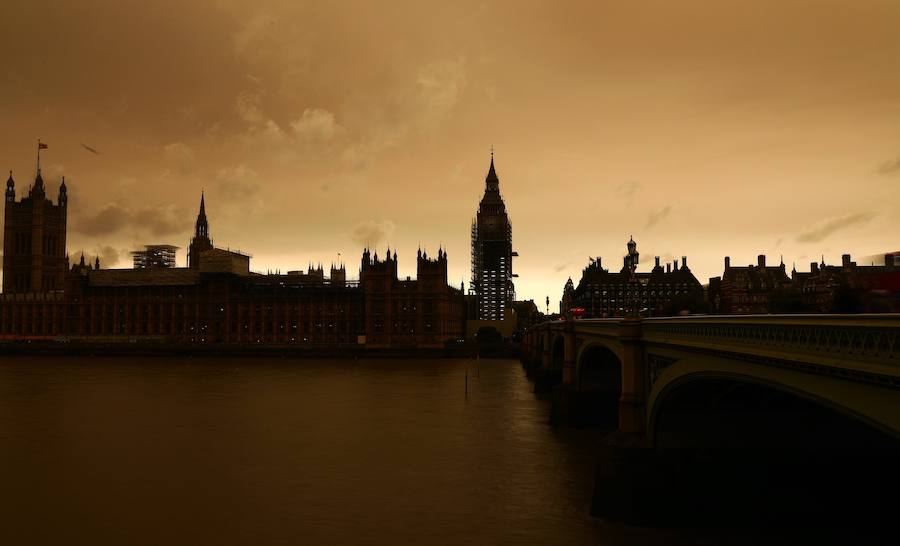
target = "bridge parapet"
x: 862, y: 347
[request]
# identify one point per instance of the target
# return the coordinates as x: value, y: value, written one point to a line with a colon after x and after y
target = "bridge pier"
x: 564, y: 394
x: 547, y: 354
x: 633, y: 401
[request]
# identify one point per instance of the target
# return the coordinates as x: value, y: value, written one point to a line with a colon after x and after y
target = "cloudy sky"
x: 702, y: 128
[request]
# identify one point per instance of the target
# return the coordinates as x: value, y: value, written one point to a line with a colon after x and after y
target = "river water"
x: 265, y: 451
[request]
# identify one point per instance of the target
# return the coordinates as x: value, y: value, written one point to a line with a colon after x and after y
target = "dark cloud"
x: 372, y: 232
x: 829, y: 227
x: 626, y: 190
x: 158, y: 221
x: 107, y: 220
x: 109, y: 256
x: 658, y: 216
x: 890, y: 167
x: 162, y: 221
x: 236, y: 184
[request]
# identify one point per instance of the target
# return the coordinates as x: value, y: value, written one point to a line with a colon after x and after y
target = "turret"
x: 10, y: 189
x: 633, y: 257
x: 63, y: 194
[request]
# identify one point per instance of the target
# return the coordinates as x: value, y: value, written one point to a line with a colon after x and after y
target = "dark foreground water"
x: 243, y: 451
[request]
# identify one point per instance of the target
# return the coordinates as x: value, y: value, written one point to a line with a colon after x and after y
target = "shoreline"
x: 271, y: 351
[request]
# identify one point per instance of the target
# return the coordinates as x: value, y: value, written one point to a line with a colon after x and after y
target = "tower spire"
x: 201, y: 228
x: 491, y: 181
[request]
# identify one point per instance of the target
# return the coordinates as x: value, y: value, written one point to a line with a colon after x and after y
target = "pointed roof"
x: 202, y: 206
x: 491, y: 196
x: 10, y: 181
x: 492, y: 173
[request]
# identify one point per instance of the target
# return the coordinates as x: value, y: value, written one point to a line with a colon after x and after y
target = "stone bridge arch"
x: 597, y: 383
x: 715, y: 401
x: 558, y: 351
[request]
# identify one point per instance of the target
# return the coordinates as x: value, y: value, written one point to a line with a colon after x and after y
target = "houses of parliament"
x: 216, y: 298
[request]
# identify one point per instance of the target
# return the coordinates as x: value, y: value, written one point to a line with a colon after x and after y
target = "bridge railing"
x: 863, y: 340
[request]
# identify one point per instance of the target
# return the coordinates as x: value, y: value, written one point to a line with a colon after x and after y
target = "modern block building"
x: 153, y: 256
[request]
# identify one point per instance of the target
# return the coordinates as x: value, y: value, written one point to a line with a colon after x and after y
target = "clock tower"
x: 492, y: 254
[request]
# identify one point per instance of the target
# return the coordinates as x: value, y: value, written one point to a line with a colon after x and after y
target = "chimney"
x: 674, y: 265
x: 599, y: 262
x: 727, y: 262
x: 668, y: 268
x: 813, y: 267
x: 684, y: 262
x: 845, y: 260
x: 761, y: 260
x: 657, y: 263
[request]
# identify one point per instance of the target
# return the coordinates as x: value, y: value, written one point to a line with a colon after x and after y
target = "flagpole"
x: 41, y: 146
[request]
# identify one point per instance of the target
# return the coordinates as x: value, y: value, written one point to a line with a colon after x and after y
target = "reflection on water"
x: 246, y: 451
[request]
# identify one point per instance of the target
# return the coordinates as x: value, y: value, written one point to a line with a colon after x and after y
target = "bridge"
x: 808, y: 399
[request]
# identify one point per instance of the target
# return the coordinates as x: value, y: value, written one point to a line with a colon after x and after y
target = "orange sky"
x: 702, y: 128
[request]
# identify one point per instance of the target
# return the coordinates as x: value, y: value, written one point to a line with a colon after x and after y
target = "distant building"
x: 843, y: 288
x: 154, y: 256
x: 746, y: 290
x: 217, y: 299
x: 850, y: 288
x: 602, y: 293
x: 424, y: 311
x: 34, y: 239
x: 492, y: 253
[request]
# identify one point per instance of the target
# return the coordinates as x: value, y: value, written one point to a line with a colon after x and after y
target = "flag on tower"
x: 41, y: 146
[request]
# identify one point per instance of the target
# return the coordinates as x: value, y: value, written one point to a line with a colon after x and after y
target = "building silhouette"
x: 825, y: 288
x: 421, y: 311
x: 848, y: 287
x: 747, y: 290
x: 603, y: 293
x: 492, y: 253
x: 34, y: 239
x: 217, y: 299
